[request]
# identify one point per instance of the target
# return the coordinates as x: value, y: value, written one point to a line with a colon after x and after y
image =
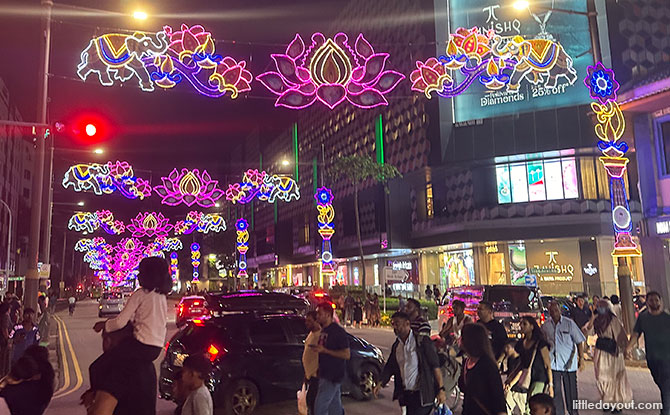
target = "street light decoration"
x: 174, y: 266
x: 265, y: 187
x: 149, y: 224
x: 330, y: 71
x: 324, y: 205
x: 189, y: 187
x: 89, y: 222
x: 165, y: 60
x: 195, y: 261
x: 242, y: 228
x: 494, y: 61
x: 609, y: 128
x: 106, y: 179
x: 200, y: 222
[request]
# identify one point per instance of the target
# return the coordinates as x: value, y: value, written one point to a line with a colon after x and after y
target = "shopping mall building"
x: 495, y: 189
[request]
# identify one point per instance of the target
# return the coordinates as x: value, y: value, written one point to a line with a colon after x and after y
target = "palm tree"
x: 356, y: 170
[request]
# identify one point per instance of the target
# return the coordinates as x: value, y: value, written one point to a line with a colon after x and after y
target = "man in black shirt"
x: 418, y: 323
x: 333, y: 349
x: 581, y: 314
x: 495, y: 329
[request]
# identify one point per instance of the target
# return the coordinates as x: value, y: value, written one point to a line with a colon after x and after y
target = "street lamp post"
x: 32, y: 276
x: 9, y: 246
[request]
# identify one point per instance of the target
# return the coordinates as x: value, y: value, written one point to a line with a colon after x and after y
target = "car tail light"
x: 214, y: 352
x: 181, y: 309
x: 196, y: 303
x: 319, y: 295
x: 333, y: 305
x: 542, y: 318
x: 167, y: 346
x: 198, y: 322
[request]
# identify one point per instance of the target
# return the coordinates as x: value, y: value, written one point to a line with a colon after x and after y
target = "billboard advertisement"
x: 525, y: 60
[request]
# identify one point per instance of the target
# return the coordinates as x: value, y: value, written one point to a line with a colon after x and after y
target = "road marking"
x: 75, y: 363
x: 66, y: 368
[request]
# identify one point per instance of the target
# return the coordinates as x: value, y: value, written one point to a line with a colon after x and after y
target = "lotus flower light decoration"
x: 149, y: 224
x: 330, y: 71
x: 189, y: 187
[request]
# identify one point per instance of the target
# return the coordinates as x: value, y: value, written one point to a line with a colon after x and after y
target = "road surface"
x: 81, y: 345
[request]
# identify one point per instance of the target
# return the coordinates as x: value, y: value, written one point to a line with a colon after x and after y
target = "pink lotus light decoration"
x: 330, y: 71
x: 149, y: 224
x: 189, y: 187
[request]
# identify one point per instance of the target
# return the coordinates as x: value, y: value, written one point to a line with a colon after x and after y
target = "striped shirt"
x: 420, y: 326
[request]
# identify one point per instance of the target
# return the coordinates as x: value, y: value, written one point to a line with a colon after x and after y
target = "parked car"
x: 256, y: 353
x: 510, y: 303
x: 190, y: 307
x: 313, y: 296
x: 111, y: 303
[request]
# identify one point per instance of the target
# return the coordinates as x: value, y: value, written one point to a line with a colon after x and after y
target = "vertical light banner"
x: 174, y: 266
x: 609, y: 128
x: 324, y: 205
x: 195, y: 261
x: 242, y: 228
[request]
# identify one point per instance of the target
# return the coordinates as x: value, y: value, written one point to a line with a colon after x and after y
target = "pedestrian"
x: 30, y: 384
x: 14, y: 309
x: 496, y: 331
x: 71, y: 302
x: 420, y: 326
x: 195, y: 373
x: 24, y: 335
x: 608, y: 360
x: 428, y: 292
x: 594, y: 302
x: 401, y: 303
x: 146, y: 310
x: 542, y: 404
x: 451, y: 330
x: 616, y: 306
x: 654, y: 323
x: 310, y: 360
x: 516, y: 396
x: 376, y: 312
x: 349, y: 304
x: 567, y: 356
x: 436, y: 294
x: 333, y: 350
x: 43, y: 319
x: 358, y: 313
x: 480, y: 380
x: 5, y: 330
x: 415, y: 367
x: 581, y: 313
x: 533, y: 350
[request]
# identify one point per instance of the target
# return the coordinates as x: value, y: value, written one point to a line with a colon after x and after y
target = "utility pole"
x: 33, y: 276
x: 9, y: 245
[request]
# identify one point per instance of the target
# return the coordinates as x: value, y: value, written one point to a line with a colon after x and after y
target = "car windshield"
x: 515, y: 299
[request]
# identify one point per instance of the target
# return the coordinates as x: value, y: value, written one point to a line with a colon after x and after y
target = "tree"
x: 356, y: 170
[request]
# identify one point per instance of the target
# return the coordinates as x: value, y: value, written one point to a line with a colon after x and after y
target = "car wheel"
x: 241, y: 398
x: 364, y: 385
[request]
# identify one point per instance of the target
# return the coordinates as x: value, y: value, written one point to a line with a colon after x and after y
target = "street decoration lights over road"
x: 165, y: 59
x: 610, y: 128
x: 330, y: 71
x: 324, y: 205
x: 195, y: 261
x: 264, y: 187
x: 495, y: 62
x: 242, y: 228
x: 106, y: 179
x: 189, y: 187
x: 89, y: 222
x: 149, y: 224
x: 200, y: 222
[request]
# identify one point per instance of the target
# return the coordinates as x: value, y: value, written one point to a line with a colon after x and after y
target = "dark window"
x: 267, y: 331
x: 26, y: 174
x: 298, y: 330
x: 26, y: 193
x: 665, y: 138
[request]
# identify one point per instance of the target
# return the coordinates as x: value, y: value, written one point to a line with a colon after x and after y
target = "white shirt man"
x: 408, y: 361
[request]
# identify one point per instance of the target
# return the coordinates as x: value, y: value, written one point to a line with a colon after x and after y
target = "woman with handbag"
x: 533, y: 350
x: 608, y: 360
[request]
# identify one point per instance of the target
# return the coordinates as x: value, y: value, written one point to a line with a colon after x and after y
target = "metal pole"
x: 48, y: 214
x: 32, y: 276
x: 62, y: 265
x: 9, y: 247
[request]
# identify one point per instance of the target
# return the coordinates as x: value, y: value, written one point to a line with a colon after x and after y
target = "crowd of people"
x: 357, y: 309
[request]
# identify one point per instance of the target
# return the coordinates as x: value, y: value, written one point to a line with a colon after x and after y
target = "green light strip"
x: 379, y: 139
x: 295, y: 149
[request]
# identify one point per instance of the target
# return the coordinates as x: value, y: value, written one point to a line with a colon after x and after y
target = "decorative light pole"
x: 174, y: 266
x: 242, y: 228
x: 324, y: 204
x: 195, y: 261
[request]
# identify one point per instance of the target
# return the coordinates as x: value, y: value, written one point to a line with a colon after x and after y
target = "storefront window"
x: 459, y: 268
x: 517, y: 263
x: 537, y: 180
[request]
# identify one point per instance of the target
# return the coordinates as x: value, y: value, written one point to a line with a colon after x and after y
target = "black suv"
x: 257, y: 356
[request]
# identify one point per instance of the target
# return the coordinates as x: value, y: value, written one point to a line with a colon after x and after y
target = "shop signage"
x: 554, y: 271
x: 555, y: 46
x: 663, y: 227
x: 491, y: 247
x: 590, y: 270
x: 401, y: 265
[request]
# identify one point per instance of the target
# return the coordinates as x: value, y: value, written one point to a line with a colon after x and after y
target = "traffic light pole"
x: 32, y: 276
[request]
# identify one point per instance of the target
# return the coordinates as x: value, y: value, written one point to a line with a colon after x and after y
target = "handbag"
x: 607, y: 345
x: 523, y: 385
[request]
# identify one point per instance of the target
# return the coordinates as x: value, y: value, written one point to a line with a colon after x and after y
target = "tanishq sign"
x: 553, y: 270
x: 527, y: 60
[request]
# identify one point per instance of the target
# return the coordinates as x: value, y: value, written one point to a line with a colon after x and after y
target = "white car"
x: 111, y: 303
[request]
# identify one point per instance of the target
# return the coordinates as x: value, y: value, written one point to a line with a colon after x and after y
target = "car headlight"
x: 100, y: 307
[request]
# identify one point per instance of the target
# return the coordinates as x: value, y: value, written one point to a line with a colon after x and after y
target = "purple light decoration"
x: 195, y: 261
x: 242, y: 228
x: 189, y: 187
x: 330, y: 71
x: 601, y: 83
x: 149, y: 224
x: 324, y: 205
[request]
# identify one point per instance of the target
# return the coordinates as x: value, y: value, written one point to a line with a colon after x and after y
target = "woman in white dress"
x: 608, y: 359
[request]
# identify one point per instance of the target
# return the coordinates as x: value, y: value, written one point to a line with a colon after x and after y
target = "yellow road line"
x: 66, y: 368
x: 75, y: 364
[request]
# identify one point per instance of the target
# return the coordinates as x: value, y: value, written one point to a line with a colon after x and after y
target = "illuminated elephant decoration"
x: 83, y: 177
x: 534, y: 58
x: 282, y: 187
x: 122, y: 55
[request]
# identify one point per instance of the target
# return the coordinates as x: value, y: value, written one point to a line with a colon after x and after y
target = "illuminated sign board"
x: 537, y: 180
x: 663, y: 227
x: 550, y: 52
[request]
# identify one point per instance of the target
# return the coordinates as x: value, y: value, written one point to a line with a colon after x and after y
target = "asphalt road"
x: 81, y: 345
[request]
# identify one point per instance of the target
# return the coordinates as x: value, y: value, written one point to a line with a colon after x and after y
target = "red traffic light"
x: 87, y: 127
x: 91, y: 130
